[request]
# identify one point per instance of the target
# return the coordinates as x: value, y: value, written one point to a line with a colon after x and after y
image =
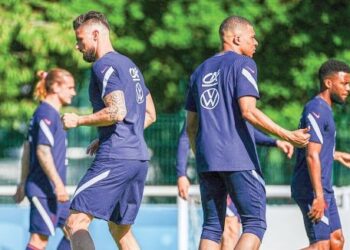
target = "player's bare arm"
x: 150, y: 116
x: 314, y: 167
x: 115, y: 111
x: 20, y: 194
x: 258, y: 119
x: 192, y: 128
x: 47, y: 164
x: 343, y: 158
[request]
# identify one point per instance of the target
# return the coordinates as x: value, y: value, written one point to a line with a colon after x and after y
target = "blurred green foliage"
x: 168, y: 39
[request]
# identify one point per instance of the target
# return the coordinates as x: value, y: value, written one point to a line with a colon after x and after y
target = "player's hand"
x: 20, y: 194
x: 92, y: 148
x: 183, y: 185
x: 343, y: 158
x: 286, y: 148
x: 70, y: 120
x: 61, y: 193
x: 299, y: 138
x: 317, y: 209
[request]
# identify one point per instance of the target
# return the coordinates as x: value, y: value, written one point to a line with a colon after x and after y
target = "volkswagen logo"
x: 139, y: 93
x: 210, y: 98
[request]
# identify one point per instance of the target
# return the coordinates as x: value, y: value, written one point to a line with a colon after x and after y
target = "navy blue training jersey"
x: 183, y: 148
x: 225, y: 141
x: 123, y: 140
x: 45, y: 129
x: 318, y: 116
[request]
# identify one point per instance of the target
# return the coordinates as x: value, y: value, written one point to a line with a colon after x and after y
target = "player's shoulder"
x: 47, y: 113
x: 318, y: 108
x: 245, y: 61
x: 317, y: 104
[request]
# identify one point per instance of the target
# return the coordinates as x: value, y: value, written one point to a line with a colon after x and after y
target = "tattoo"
x: 115, y: 103
x: 47, y: 163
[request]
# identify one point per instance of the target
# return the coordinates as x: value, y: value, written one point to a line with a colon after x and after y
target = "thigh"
x: 127, y: 207
x: 213, y: 196
x: 43, y: 215
x: 247, y: 191
x: 231, y: 209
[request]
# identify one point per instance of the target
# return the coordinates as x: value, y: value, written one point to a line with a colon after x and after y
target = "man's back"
x: 225, y: 140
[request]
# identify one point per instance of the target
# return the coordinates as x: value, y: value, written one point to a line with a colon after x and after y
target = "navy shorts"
x: 328, y: 224
x: 46, y: 215
x: 247, y: 191
x: 112, y: 190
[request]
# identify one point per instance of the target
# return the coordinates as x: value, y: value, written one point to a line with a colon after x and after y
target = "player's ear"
x: 236, y: 39
x: 327, y: 83
x: 95, y: 34
x: 55, y: 87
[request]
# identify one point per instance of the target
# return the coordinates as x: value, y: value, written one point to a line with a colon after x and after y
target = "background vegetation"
x: 168, y: 39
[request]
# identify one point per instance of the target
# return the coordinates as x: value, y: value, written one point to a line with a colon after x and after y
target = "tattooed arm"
x: 115, y: 111
x: 48, y: 165
x: 150, y: 116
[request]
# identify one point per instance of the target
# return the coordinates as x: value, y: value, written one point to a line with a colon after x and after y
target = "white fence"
x: 280, y: 218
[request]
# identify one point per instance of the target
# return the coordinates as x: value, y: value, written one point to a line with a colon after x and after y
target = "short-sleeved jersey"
x: 225, y: 141
x: 318, y: 116
x: 183, y: 148
x: 123, y: 140
x: 45, y: 128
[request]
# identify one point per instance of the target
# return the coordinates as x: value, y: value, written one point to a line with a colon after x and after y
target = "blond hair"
x: 46, y: 81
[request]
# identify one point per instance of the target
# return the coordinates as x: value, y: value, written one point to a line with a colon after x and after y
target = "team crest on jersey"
x: 210, y: 98
x: 211, y: 79
x: 139, y: 93
x: 134, y: 73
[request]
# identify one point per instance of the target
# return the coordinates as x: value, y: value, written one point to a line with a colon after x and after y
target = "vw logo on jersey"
x: 139, y: 93
x: 134, y: 73
x: 210, y: 98
x: 211, y: 79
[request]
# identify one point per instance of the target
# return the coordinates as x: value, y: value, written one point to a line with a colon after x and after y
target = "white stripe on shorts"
x: 44, y: 215
x: 324, y: 219
x: 229, y: 212
x: 258, y: 177
x: 46, y: 132
x: 91, y: 182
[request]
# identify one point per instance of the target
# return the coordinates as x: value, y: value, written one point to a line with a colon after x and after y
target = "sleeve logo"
x: 139, y: 93
x: 134, y: 73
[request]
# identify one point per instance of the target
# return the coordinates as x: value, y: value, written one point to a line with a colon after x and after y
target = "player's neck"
x: 229, y: 47
x: 326, y: 97
x: 53, y: 101
x: 105, y: 48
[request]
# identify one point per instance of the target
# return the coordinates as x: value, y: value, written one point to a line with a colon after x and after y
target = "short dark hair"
x: 331, y: 67
x: 91, y: 16
x: 231, y: 22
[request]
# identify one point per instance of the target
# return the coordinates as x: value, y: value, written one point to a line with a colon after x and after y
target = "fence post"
x: 182, y: 224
